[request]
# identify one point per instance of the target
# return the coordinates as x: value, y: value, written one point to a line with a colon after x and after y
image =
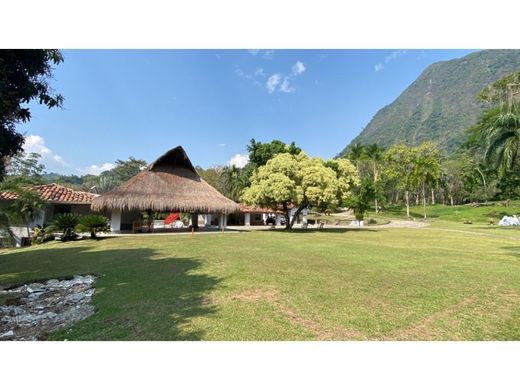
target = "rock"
x: 77, y: 297
x: 7, y: 334
x: 35, y: 295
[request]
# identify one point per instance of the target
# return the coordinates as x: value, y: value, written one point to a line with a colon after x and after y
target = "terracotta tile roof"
x: 55, y: 193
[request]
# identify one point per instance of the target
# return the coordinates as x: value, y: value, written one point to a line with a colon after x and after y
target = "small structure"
x: 171, y: 183
x: 58, y: 200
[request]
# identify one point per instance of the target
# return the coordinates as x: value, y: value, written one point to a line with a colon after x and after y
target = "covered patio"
x: 170, y: 184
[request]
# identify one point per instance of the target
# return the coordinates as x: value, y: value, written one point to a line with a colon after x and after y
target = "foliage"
x: 24, y: 76
x: 5, y: 225
x: 260, y: 153
x: 288, y: 180
x: 27, y: 206
x: 123, y: 171
x: 23, y: 169
x: 40, y: 235
x: 93, y: 224
x: 64, y: 224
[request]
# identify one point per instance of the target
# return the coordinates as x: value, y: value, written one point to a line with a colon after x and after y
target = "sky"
x: 141, y: 103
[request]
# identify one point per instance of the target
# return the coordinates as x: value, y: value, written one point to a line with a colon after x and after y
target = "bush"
x: 93, y: 224
x: 64, y: 224
x: 40, y: 235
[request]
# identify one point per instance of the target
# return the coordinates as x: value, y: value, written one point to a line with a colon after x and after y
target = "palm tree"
x: 503, y: 140
x: 375, y: 154
x: 357, y: 153
x: 28, y: 206
x: 5, y: 227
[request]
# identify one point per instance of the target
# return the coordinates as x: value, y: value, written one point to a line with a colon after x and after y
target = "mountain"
x: 441, y: 103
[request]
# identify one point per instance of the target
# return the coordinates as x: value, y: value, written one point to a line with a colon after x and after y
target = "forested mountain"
x: 441, y: 103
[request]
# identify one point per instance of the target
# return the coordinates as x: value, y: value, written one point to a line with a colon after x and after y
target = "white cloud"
x: 273, y: 82
x: 286, y: 87
x: 221, y: 145
x: 392, y: 56
x: 36, y: 144
x: 259, y: 72
x: 389, y: 58
x: 239, y: 160
x: 298, y: 68
x: 253, y: 52
x: 97, y: 169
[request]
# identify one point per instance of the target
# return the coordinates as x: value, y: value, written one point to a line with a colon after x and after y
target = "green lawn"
x: 446, y: 282
x: 457, y: 213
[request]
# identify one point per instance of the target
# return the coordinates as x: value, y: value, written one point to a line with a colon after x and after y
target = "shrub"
x: 64, y: 224
x: 40, y: 235
x: 93, y: 224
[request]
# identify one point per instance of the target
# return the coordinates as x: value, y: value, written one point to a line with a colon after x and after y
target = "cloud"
x: 36, y: 144
x: 253, y: 52
x: 259, y: 72
x: 221, y: 145
x: 97, y: 169
x: 392, y: 56
x: 298, y: 68
x: 272, y: 82
x: 286, y: 87
x: 389, y: 58
x: 240, y: 73
x: 275, y: 81
x: 239, y: 160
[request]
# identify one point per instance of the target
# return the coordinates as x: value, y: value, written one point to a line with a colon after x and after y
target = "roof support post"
x: 115, y: 221
x: 247, y: 219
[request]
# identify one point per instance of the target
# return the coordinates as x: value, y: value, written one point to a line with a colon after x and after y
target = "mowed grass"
x: 456, y: 213
x: 446, y: 282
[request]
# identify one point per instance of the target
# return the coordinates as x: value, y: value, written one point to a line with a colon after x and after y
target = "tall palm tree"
x: 375, y: 154
x: 357, y: 153
x: 503, y: 140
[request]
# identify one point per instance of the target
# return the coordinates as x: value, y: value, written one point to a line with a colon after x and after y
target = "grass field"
x: 446, y: 282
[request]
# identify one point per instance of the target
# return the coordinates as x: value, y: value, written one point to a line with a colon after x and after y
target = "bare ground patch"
x: 320, y: 331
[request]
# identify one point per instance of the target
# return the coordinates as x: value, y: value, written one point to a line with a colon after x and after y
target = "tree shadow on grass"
x: 141, y: 294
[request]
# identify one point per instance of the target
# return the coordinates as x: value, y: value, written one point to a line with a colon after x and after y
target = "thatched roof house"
x: 171, y: 183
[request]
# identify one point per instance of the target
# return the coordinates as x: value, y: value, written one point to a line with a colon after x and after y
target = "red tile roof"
x: 55, y: 193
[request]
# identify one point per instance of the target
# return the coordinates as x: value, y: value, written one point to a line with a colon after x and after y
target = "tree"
x: 297, y: 180
x: 503, y: 141
x: 93, y: 224
x: 65, y: 224
x: 260, y: 153
x: 24, y: 169
x: 359, y: 201
x: 427, y: 167
x: 123, y: 171
x: 28, y: 206
x: 357, y: 153
x: 375, y: 154
x: 399, y: 166
x: 24, y: 76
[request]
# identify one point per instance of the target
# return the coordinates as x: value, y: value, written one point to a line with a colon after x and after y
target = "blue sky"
x: 141, y: 103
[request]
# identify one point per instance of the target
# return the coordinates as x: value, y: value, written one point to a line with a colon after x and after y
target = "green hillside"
x: 441, y: 103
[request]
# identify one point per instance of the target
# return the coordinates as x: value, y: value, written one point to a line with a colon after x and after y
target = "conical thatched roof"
x: 168, y: 184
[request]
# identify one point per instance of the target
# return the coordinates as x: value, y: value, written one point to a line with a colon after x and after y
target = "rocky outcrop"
x: 30, y: 312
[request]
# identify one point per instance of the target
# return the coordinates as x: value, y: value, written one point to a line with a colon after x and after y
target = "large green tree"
x: 24, y: 76
x: 297, y: 180
x: 399, y: 167
x: 427, y: 167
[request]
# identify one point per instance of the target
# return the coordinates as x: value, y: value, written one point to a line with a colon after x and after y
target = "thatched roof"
x: 168, y: 184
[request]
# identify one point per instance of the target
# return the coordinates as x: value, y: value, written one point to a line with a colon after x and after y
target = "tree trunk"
x: 424, y: 198
x: 375, y: 191
x: 286, y: 213
x: 407, y: 197
x: 296, y: 214
x: 417, y: 198
x: 433, y: 197
x: 451, y: 199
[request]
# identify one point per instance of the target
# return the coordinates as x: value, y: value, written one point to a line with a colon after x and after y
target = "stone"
x: 7, y: 334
